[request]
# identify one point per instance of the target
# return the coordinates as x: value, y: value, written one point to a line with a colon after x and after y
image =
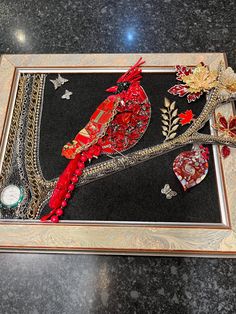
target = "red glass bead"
x: 80, y: 165
x: 142, y: 128
x: 83, y: 158
x: 225, y: 151
x: 95, y: 150
x: 143, y: 118
x: 56, y: 198
x: 71, y: 187
x: 74, y: 179
x: 134, y: 135
x: 63, y: 203
x: 68, y: 195
x: 59, y: 212
x: 133, y: 123
x: 89, y: 155
x: 136, y: 109
x: 54, y: 219
x: 78, y: 172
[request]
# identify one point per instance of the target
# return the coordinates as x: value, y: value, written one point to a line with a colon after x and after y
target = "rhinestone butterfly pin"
x: 59, y: 81
x: 168, y: 192
x: 67, y: 94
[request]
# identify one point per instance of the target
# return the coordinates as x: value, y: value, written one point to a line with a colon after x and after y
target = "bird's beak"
x: 112, y: 89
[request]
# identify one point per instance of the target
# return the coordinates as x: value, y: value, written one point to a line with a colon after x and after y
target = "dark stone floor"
x: 34, y: 283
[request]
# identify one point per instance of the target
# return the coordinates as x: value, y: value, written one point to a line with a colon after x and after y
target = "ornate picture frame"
x: 192, y: 239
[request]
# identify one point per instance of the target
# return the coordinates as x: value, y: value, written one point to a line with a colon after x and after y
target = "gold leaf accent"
x: 165, y: 117
x: 163, y: 110
x: 172, y: 106
x: 174, y: 113
x: 176, y: 120
x: 166, y: 102
x: 172, y: 135
x: 165, y: 122
x: 169, y: 119
x: 175, y: 127
x: 201, y: 80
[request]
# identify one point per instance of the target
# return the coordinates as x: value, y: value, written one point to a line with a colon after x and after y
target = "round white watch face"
x: 11, y: 195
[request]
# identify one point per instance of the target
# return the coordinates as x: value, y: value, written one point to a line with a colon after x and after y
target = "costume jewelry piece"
x: 117, y: 124
x: 191, y: 167
x: 66, y: 95
x: 59, y: 81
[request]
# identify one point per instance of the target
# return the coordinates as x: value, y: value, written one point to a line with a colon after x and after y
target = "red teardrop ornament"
x: 225, y: 151
x: 191, y: 167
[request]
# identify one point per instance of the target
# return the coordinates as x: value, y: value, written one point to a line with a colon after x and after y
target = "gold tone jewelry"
x: 13, y: 131
x: 41, y: 188
x: 169, y: 119
x: 38, y: 185
x: 190, y: 136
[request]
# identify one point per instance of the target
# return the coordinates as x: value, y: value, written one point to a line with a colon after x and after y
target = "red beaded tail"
x: 67, y: 181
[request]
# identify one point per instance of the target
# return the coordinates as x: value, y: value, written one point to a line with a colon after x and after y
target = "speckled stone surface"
x: 34, y: 283
x: 104, y: 284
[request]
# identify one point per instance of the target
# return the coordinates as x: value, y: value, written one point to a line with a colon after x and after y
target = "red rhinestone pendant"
x: 191, y: 167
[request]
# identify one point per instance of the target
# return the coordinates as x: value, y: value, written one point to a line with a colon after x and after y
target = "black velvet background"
x: 133, y: 194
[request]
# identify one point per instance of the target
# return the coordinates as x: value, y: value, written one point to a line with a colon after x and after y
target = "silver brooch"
x: 168, y: 192
x: 67, y: 94
x: 59, y: 81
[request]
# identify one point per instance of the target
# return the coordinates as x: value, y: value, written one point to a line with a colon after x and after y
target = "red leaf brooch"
x: 196, y: 81
x: 186, y: 117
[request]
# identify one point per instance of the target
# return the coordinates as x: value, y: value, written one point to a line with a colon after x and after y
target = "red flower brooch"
x: 228, y: 128
x: 196, y: 81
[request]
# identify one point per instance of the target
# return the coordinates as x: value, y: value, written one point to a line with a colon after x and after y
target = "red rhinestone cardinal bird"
x: 117, y: 124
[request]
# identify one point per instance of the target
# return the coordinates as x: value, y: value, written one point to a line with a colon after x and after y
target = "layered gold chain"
x: 6, y: 166
x: 38, y: 185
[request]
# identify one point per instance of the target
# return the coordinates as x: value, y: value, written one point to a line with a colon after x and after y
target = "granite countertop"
x: 34, y: 283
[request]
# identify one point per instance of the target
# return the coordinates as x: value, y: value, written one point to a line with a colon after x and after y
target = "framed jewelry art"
x: 128, y: 204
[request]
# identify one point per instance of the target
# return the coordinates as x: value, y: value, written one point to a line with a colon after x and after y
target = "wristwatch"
x: 11, y: 196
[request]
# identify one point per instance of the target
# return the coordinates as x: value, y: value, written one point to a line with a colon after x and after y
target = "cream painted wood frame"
x: 116, y: 238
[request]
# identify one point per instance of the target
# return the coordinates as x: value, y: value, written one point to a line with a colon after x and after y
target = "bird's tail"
x: 67, y: 181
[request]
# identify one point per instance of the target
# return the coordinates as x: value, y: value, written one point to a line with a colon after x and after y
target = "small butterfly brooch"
x: 58, y: 81
x: 67, y: 94
x: 168, y: 192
